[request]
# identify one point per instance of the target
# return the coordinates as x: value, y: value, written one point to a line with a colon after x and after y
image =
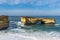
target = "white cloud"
x: 2, y: 1
x: 32, y: 2
x: 30, y: 12
x: 21, y: 12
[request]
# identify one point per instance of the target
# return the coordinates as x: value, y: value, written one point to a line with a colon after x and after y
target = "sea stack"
x: 4, y: 22
x: 26, y: 20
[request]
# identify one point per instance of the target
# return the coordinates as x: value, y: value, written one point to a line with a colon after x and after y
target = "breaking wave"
x: 57, y: 24
x: 23, y: 35
x: 18, y: 32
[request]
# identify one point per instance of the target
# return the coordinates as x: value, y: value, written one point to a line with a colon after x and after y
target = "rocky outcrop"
x: 4, y: 22
x: 32, y: 20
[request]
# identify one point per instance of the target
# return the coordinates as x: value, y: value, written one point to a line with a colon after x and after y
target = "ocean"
x: 33, y: 32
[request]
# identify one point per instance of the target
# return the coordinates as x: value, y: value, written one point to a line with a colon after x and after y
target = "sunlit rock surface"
x: 32, y: 20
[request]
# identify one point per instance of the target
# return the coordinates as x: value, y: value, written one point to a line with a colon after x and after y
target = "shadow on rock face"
x: 4, y: 22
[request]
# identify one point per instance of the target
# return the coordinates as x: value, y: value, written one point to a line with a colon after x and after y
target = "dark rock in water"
x: 32, y: 20
x: 4, y: 22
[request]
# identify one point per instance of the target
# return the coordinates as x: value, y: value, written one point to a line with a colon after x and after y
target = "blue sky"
x: 30, y: 7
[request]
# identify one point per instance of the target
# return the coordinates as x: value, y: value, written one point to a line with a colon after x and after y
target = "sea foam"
x: 28, y: 34
x: 18, y: 36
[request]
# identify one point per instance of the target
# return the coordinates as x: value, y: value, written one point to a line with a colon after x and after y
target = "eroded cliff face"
x: 4, y: 22
x: 33, y: 20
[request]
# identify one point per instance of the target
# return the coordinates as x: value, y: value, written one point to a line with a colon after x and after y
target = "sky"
x: 30, y: 7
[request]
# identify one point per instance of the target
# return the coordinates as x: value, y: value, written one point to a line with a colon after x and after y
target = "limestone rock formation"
x: 4, y: 22
x: 32, y: 20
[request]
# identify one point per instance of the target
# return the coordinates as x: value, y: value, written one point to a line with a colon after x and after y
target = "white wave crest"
x: 57, y: 24
x: 10, y: 36
x: 19, y: 23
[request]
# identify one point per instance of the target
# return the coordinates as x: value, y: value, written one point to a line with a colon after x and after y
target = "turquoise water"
x: 14, y: 21
x: 34, y: 30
